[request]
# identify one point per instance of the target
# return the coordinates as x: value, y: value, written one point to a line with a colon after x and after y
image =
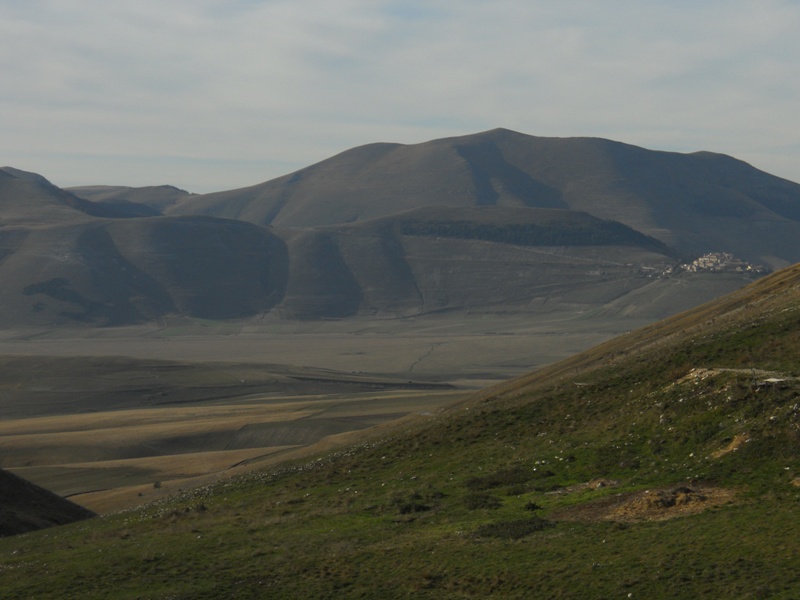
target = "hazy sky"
x: 219, y: 94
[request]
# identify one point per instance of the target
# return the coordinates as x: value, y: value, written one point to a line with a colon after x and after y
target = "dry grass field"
x: 111, y: 432
x: 110, y: 460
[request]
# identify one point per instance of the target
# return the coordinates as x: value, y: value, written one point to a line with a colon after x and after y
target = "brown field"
x: 94, y: 457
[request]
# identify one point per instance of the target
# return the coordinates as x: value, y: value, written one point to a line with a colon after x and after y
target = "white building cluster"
x: 722, y: 262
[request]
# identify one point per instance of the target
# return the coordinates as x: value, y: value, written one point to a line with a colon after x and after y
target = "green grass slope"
x: 662, y: 464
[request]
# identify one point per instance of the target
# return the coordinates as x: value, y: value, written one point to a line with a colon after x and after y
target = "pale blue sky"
x: 211, y: 94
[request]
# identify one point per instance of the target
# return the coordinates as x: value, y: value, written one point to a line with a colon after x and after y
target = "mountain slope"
x: 26, y: 507
x: 496, y: 222
x: 481, y: 259
x: 662, y: 464
x: 701, y: 202
x: 66, y: 260
x: 115, y: 272
x: 477, y: 259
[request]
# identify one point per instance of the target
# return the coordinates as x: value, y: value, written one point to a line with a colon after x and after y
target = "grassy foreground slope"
x: 662, y: 464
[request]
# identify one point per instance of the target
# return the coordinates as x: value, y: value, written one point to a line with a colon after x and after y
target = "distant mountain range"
x: 491, y: 222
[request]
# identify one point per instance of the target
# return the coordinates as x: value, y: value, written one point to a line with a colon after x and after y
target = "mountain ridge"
x: 681, y: 199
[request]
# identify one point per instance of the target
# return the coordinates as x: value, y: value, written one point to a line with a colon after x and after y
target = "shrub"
x: 513, y: 476
x: 478, y: 500
x: 513, y: 530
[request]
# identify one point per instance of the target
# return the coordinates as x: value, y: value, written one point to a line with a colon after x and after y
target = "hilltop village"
x: 722, y: 262
x: 713, y: 262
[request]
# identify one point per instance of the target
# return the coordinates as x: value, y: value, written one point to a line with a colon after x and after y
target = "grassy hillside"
x: 83, y: 272
x: 524, y: 227
x: 26, y: 198
x: 663, y: 464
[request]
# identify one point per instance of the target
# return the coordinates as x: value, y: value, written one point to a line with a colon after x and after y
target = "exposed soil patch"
x: 650, y: 505
x: 735, y: 444
x: 762, y: 377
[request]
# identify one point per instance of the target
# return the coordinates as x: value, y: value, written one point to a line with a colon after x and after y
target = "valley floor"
x: 484, y: 348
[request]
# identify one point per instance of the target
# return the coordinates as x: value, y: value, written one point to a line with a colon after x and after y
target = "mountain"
x: 662, y: 464
x: 493, y: 223
x: 26, y: 507
x: 697, y: 203
x: 68, y: 260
